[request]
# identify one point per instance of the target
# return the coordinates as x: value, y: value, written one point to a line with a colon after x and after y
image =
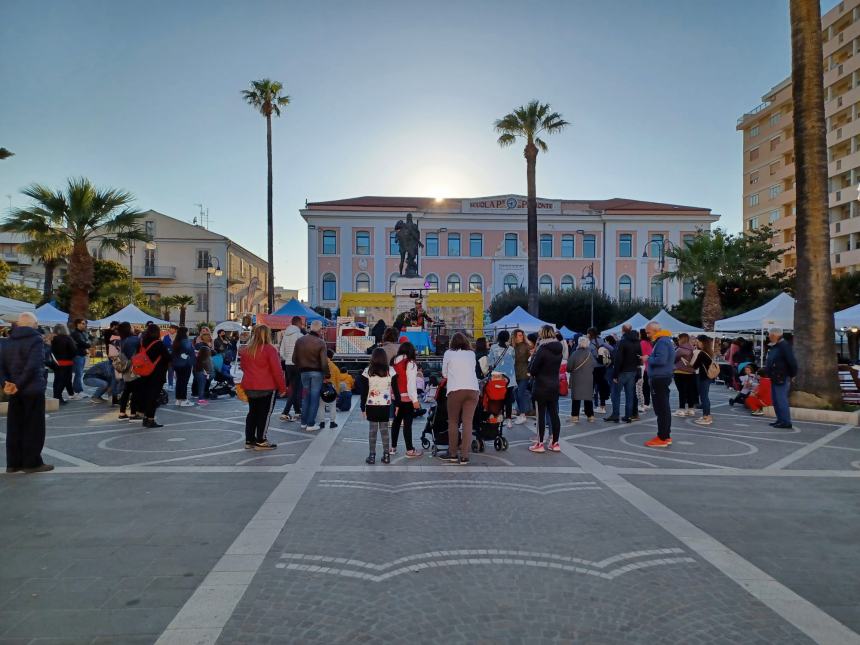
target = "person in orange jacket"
x: 761, y: 396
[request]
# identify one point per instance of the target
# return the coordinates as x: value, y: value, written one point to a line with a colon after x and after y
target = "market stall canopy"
x: 129, y: 314
x: 295, y: 308
x: 671, y: 324
x: 229, y: 326
x: 566, y: 333
x: 48, y: 314
x: 519, y: 318
x: 637, y: 321
x: 779, y: 312
x: 10, y: 308
x: 847, y: 317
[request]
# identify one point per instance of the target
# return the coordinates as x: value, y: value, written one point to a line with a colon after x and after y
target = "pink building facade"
x: 479, y: 245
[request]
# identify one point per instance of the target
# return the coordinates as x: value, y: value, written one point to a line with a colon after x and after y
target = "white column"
x: 313, y: 266
x: 346, y: 281
x: 380, y: 248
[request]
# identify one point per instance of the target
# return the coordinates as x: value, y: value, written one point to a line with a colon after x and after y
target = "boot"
x: 371, y: 458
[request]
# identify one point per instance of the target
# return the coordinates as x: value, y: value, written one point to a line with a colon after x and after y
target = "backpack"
x: 344, y: 401
x: 141, y: 363
x: 713, y: 370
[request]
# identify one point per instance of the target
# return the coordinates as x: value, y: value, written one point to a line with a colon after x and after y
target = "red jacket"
x: 262, y: 371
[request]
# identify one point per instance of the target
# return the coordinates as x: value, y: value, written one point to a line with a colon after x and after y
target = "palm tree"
x: 267, y: 98
x: 165, y: 304
x: 528, y: 122
x: 50, y: 250
x: 82, y: 214
x: 5, y: 154
x: 183, y: 302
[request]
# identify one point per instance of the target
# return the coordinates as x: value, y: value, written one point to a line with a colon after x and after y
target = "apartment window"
x: 202, y: 258
x: 149, y: 262
x: 431, y: 244
x: 625, y: 245
x: 775, y: 190
x: 511, y: 245
x: 656, y: 291
x: 774, y: 215
x: 753, y: 223
x: 545, y: 284
x: 752, y: 200
x: 753, y: 154
x: 567, y: 283
x: 453, y: 245
x: 688, y: 238
x: 774, y: 143
x: 589, y: 246
x: 362, y: 243
x: 97, y: 252
x: 687, y: 289
x: 625, y: 289
x: 773, y: 168
x: 567, y: 246
x: 753, y: 177
x: 453, y: 285
x: 431, y: 283
x: 149, y: 228
x: 546, y: 246
x: 656, y: 246
x: 476, y: 283
x: 511, y: 282
x: 362, y: 283
x: 476, y: 245
x: 329, y: 287
x: 393, y: 244
x: 201, y: 302
x: 754, y: 131
x: 329, y: 243
x: 774, y: 118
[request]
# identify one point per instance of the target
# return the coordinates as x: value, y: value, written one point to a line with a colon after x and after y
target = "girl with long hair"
x: 376, y: 397
x: 262, y: 379
x: 406, y: 397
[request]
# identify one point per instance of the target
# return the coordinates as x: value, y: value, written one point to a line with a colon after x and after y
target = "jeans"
x: 201, y: 385
x: 523, y: 396
x: 548, y: 407
x: 627, y: 384
x: 779, y: 393
x: 660, y: 402
x: 601, y: 386
x: 311, y: 388
x: 99, y: 383
x: 79, y: 364
x: 183, y: 374
x: 294, y: 380
x: 170, y: 371
x: 704, y: 384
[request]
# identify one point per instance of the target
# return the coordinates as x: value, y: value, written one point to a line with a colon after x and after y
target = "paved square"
x: 737, y: 534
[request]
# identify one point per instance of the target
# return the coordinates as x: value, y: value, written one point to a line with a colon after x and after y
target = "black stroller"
x: 437, y: 422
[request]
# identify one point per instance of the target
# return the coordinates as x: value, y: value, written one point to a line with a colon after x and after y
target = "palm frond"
x: 6, y: 153
x: 540, y: 143
x: 506, y: 140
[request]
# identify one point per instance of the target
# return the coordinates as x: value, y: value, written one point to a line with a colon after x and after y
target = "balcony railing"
x: 758, y: 108
x: 155, y: 271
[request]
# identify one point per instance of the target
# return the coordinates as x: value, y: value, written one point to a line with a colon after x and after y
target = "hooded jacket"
x: 22, y: 361
x: 662, y: 359
x: 544, y: 369
x: 288, y: 343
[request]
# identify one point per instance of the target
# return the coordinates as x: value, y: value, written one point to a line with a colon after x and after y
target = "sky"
x: 387, y: 98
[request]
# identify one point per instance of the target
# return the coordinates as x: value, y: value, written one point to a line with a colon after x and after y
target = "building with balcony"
x: 479, y: 245
x: 768, y: 149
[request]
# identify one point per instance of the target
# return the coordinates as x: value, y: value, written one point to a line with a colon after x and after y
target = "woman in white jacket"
x: 458, y: 367
x: 405, y: 396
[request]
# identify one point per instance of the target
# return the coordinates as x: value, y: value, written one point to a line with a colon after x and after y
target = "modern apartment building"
x: 479, y: 245
x: 768, y: 148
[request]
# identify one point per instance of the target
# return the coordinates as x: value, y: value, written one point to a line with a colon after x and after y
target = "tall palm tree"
x: 165, y: 304
x: 5, y: 154
x: 82, y: 214
x: 266, y: 97
x: 813, y: 327
x: 183, y: 302
x: 50, y: 250
x: 529, y: 122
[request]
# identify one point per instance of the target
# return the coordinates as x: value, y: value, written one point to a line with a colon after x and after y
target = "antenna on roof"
x: 204, y: 216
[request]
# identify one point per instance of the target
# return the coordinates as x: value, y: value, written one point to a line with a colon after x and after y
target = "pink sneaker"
x: 555, y: 447
x: 537, y: 447
x: 202, y: 402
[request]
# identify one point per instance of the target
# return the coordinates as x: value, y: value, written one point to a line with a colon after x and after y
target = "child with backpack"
x: 376, y: 397
x: 406, y: 399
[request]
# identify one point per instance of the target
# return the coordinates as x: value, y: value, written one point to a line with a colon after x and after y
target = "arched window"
x: 568, y: 283
x: 511, y: 245
x: 511, y: 282
x: 431, y: 283
x: 362, y: 283
x: 476, y: 283
x: 545, y: 284
x: 656, y: 291
x: 329, y: 243
x: 625, y: 289
x: 453, y: 283
x: 546, y: 246
x: 329, y: 287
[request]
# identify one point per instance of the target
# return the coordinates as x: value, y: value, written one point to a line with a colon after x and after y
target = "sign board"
x: 508, y: 203
x: 273, y: 321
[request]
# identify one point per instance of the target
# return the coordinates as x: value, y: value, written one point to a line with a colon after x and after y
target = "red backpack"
x: 141, y: 363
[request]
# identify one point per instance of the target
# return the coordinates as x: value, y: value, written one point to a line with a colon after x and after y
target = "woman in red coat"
x: 262, y: 378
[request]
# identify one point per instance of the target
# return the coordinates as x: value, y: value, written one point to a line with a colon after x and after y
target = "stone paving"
x: 738, y: 533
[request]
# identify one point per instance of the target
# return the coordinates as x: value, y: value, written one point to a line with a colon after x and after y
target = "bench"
x: 849, y: 383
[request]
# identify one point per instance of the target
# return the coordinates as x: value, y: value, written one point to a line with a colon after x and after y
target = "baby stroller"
x: 222, y: 382
x: 490, y: 415
x: 437, y: 421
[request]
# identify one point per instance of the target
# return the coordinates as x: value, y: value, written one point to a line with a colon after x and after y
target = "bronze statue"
x: 409, y: 241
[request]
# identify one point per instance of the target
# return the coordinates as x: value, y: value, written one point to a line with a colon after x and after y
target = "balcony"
x: 843, y: 164
x: 841, y: 70
x: 843, y: 132
x: 841, y: 102
x: 154, y: 272
x: 845, y: 227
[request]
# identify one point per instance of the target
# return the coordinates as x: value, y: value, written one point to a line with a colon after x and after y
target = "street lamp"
x: 150, y: 246
x: 661, y: 255
x: 588, y: 274
x: 211, y: 269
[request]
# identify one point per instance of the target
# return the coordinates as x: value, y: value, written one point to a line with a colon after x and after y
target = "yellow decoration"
x: 473, y: 300
x: 351, y: 300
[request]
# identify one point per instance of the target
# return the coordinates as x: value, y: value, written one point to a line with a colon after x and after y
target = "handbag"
x: 713, y: 370
x: 51, y: 361
x: 563, y: 388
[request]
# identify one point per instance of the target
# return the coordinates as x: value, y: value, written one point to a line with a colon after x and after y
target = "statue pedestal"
x: 401, y: 289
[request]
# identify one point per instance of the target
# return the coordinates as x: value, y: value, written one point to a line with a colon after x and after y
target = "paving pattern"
x: 739, y: 533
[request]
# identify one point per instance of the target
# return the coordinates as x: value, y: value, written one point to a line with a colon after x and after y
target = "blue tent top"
x: 295, y: 308
x: 566, y: 333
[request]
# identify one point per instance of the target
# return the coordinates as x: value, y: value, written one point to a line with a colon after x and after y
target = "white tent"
x: 129, y: 314
x: 637, y: 321
x: 48, y: 314
x: 847, y: 317
x: 672, y: 324
x: 10, y: 308
x: 519, y: 318
x: 779, y: 312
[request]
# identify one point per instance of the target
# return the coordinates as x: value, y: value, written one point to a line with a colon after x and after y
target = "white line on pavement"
x: 808, y: 449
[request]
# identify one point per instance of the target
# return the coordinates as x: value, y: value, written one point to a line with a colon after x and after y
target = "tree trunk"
x: 166, y: 314
x: 48, y: 285
x: 530, y: 154
x: 813, y: 311
x: 712, y: 309
x: 271, y: 257
x: 81, y: 276
x: 182, y: 309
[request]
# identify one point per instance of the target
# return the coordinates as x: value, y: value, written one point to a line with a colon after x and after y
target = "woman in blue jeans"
x: 702, y: 360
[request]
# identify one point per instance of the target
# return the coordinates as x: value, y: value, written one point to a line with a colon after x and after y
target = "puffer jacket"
x: 22, y: 361
x: 684, y: 359
x: 288, y: 343
x: 544, y: 369
x: 662, y: 359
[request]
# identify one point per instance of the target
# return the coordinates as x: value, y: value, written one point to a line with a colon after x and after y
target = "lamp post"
x: 661, y: 257
x: 588, y: 274
x: 211, y: 269
x: 150, y: 246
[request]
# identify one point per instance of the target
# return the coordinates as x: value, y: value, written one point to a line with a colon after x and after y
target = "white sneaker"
x: 177, y: 402
x: 508, y: 423
x: 642, y: 409
x: 601, y: 409
x: 521, y: 419
x: 691, y: 412
x: 679, y: 413
x: 574, y: 419
x: 187, y: 403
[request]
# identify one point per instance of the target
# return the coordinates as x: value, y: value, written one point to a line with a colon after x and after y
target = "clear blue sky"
x: 389, y: 98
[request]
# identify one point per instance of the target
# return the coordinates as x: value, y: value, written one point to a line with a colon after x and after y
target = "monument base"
x: 405, y: 291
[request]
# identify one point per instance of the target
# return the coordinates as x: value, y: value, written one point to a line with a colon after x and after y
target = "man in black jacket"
x: 781, y: 366
x: 22, y: 374
x: 625, y: 368
x: 83, y: 342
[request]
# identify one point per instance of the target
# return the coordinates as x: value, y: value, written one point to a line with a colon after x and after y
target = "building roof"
x: 428, y: 203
